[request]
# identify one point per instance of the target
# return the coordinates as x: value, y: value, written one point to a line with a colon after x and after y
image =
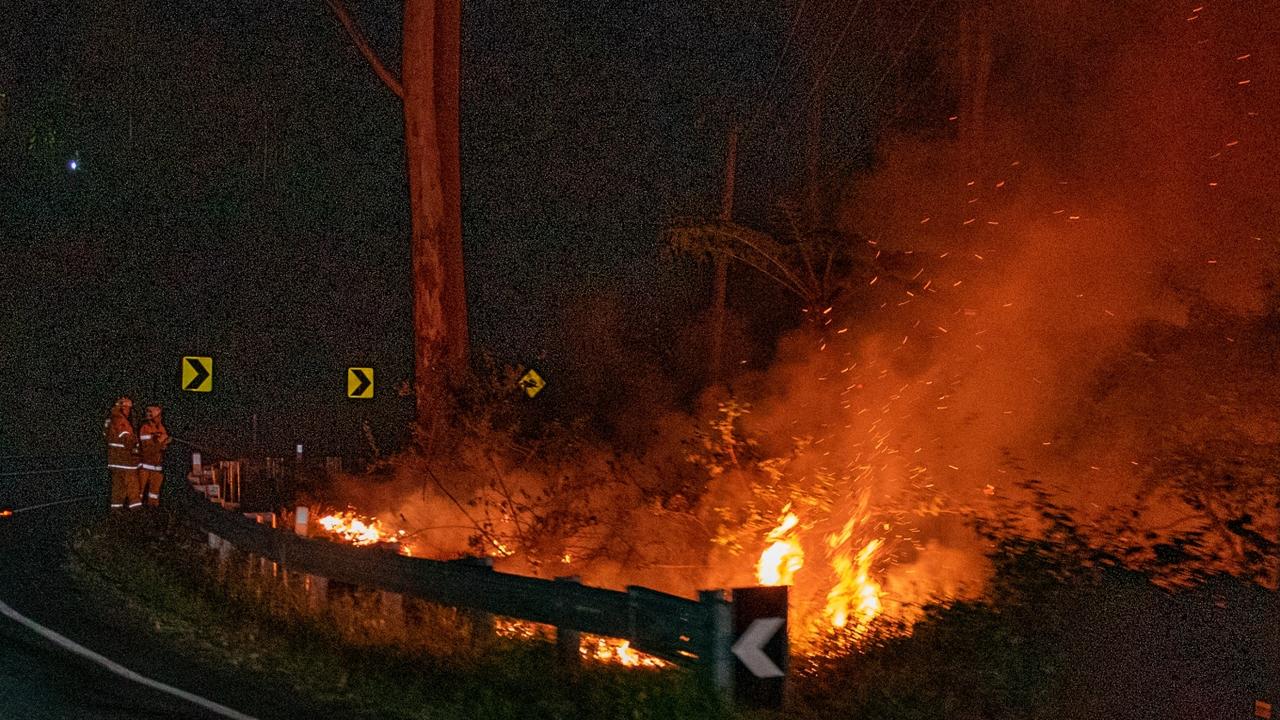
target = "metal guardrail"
x: 667, y: 626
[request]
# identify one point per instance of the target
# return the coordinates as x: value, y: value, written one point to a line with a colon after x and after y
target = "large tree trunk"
x: 430, y: 82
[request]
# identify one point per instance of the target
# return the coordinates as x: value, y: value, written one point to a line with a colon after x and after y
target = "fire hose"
x: 8, y: 512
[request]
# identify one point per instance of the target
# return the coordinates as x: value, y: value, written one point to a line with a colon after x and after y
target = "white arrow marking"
x: 749, y: 647
x: 122, y: 671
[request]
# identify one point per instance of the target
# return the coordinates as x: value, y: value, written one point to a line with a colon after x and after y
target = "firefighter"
x: 122, y: 459
x: 153, y: 438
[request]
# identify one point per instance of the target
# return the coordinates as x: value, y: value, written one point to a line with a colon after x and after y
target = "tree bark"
x: 448, y: 134
x: 430, y: 81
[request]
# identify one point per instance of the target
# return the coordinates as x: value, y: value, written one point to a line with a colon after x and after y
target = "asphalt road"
x: 39, y: 679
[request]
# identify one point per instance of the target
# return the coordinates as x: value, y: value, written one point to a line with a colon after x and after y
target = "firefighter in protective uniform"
x: 153, y: 438
x: 122, y: 459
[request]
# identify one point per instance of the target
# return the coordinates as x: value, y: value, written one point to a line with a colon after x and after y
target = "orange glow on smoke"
x: 784, y: 557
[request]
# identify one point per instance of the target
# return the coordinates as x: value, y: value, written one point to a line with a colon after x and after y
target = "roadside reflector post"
x: 297, y: 463
x: 569, y: 641
x: 760, y: 647
x: 302, y: 521
x: 716, y: 664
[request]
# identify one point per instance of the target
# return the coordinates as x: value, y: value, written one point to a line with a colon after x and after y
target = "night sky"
x: 239, y: 192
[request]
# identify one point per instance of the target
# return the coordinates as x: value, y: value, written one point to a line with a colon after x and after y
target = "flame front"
x: 854, y: 600
x: 593, y: 648
x: 855, y: 596
x: 620, y: 652
x: 357, y: 530
x: 784, y: 556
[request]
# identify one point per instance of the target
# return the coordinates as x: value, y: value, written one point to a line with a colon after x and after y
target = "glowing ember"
x: 357, y: 530
x: 609, y: 650
x: 784, y: 557
x: 593, y: 648
x: 522, y: 629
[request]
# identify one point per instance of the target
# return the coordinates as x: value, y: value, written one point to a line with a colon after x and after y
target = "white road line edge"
x: 118, y: 669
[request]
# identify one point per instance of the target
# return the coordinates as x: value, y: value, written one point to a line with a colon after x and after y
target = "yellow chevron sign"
x: 532, y: 383
x: 360, y: 383
x: 197, y: 374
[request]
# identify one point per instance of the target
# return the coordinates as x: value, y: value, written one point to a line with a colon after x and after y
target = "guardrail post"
x: 392, y: 605
x: 569, y: 641
x: 223, y: 550
x: 716, y: 660
x: 302, y: 521
x: 481, y: 622
x: 263, y: 566
x: 317, y: 592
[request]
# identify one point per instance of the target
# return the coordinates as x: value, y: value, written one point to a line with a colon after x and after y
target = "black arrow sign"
x: 364, y: 382
x: 202, y: 374
x: 760, y: 624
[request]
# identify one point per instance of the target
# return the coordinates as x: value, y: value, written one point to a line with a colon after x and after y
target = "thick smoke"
x: 1125, y: 182
x: 1040, y: 311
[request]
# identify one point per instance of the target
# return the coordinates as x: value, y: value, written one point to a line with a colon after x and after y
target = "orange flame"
x: 855, y: 596
x: 357, y: 530
x: 619, y: 652
x: 784, y: 557
x: 593, y: 648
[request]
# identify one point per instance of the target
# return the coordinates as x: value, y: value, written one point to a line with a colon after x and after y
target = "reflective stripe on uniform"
x: 157, y: 468
x: 153, y: 496
x: 117, y: 505
x: 144, y: 437
x: 123, y: 433
x: 134, y: 505
x: 123, y: 467
x: 115, y: 445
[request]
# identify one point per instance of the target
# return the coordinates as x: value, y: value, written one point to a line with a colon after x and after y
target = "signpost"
x: 760, y: 646
x: 532, y: 383
x: 360, y: 383
x: 197, y: 374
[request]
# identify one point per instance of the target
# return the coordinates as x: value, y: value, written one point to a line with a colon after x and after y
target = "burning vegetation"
x: 1083, y: 300
x: 354, y: 529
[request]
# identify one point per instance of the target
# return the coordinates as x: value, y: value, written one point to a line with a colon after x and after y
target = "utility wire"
x: 867, y: 103
x: 805, y: 53
x: 25, y: 473
x: 782, y: 56
x: 82, y: 498
x: 11, y: 458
